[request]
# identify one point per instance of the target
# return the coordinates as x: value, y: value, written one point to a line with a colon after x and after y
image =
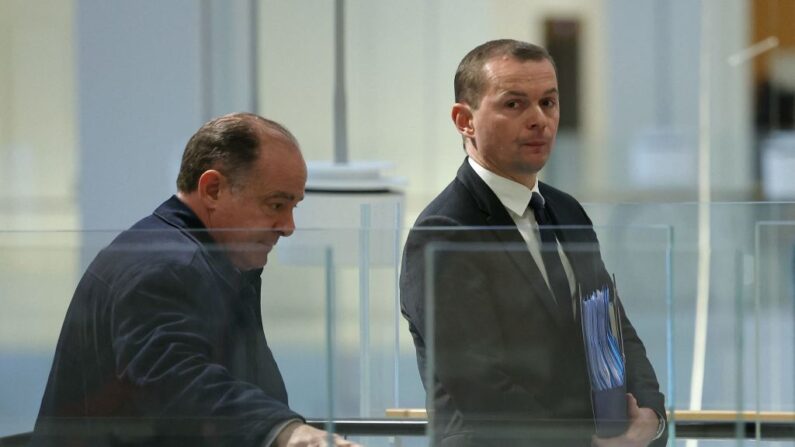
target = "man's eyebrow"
x: 514, y: 93
x: 282, y: 195
x: 552, y: 91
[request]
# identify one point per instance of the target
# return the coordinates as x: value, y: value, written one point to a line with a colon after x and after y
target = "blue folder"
x: 604, y: 356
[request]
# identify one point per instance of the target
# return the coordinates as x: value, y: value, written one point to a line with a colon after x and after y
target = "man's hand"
x: 641, y: 431
x: 302, y: 435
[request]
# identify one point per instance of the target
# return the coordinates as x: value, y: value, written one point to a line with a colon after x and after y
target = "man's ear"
x: 462, y: 118
x: 210, y: 184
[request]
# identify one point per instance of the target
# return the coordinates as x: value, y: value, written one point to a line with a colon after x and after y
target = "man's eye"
x: 549, y: 103
x: 512, y: 104
x: 276, y: 206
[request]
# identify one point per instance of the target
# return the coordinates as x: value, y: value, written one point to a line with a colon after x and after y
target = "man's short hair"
x: 230, y: 144
x: 470, y: 77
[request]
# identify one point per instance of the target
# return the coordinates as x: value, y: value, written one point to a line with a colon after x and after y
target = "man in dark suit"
x: 163, y: 343
x: 491, y: 307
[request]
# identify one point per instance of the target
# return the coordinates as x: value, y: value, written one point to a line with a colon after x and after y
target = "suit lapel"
x: 506, y: 232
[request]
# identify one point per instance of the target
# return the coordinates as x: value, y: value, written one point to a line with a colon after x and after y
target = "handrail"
x: 688, y: 425
x: 372, y: 427
x: 684, y: 429
x: 679, y: 415
x: 732, y: 416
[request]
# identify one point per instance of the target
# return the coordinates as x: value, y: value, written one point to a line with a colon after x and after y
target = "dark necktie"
x: 556, y: 275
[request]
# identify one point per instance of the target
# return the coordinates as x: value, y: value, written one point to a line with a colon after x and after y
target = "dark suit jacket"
x: 507, y: 368
x: 163, y: 345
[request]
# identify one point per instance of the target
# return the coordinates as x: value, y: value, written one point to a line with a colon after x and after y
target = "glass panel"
x: 309, y: 311
x: 506, y: 361
x: 38, y: 273
x: 734, y: 351
x: 774, y: 318
x: 722, y: 253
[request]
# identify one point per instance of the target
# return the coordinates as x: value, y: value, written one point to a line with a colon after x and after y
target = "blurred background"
x: 678, y: 113
x: 94, y: 91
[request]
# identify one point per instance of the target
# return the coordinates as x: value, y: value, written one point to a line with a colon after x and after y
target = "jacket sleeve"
x: 163, y: 343
x: 641, y: 379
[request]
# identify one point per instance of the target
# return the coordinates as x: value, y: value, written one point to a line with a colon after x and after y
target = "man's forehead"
x: 280, y: 187
x: 508, y: 74
x: 279, y: 148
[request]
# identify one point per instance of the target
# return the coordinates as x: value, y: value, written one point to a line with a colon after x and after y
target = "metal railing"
x: 687, y: 425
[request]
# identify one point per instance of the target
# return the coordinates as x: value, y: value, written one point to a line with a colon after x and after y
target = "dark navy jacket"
x: 163, y: 345
x: 507, y: 370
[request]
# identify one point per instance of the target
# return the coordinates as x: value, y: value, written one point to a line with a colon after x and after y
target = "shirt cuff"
x: 660, y: 426
x: 274, y: 433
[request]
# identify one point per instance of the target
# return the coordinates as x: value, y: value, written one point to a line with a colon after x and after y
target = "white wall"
x: 141, y: 91
x: 37, y: 118
x: 400, y: 61
x: 653, y: 61
x: 38, y: 168
x: 38, y: 174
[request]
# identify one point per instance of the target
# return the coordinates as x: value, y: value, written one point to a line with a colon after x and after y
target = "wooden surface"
x: 679, y: 415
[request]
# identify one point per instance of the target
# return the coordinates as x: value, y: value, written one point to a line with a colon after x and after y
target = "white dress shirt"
x: 515, y: 197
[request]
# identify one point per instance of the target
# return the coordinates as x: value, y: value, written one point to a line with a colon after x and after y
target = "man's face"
x: 250, y: 217
x: 515, y: 124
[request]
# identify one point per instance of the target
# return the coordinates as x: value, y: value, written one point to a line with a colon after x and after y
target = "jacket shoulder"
x: 454, y: 206
x: 552, y: 193
x: 148, y: 245
x: 569, y: 211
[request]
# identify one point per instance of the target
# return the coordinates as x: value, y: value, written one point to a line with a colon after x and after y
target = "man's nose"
x: 535, y: 117
x: 287, y: 226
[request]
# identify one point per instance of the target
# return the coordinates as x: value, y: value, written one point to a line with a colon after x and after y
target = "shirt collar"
x: 514, y: 196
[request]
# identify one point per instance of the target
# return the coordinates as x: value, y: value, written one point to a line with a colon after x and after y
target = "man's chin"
x: 260, y: 261
x: 534, y: 166
x: 251, y: 261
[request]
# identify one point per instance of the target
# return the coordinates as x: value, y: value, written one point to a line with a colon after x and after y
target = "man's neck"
x: 191, y: 200
x: 528, y: 180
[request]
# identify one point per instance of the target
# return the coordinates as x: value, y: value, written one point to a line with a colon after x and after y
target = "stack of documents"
x: 604, y: 355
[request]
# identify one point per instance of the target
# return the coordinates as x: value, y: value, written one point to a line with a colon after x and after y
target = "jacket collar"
x: 497, y: 216
x: 486, y: 200
x: 178, y: 215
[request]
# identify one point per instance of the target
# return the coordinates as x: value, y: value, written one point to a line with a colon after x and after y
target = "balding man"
x: 163, y: 343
